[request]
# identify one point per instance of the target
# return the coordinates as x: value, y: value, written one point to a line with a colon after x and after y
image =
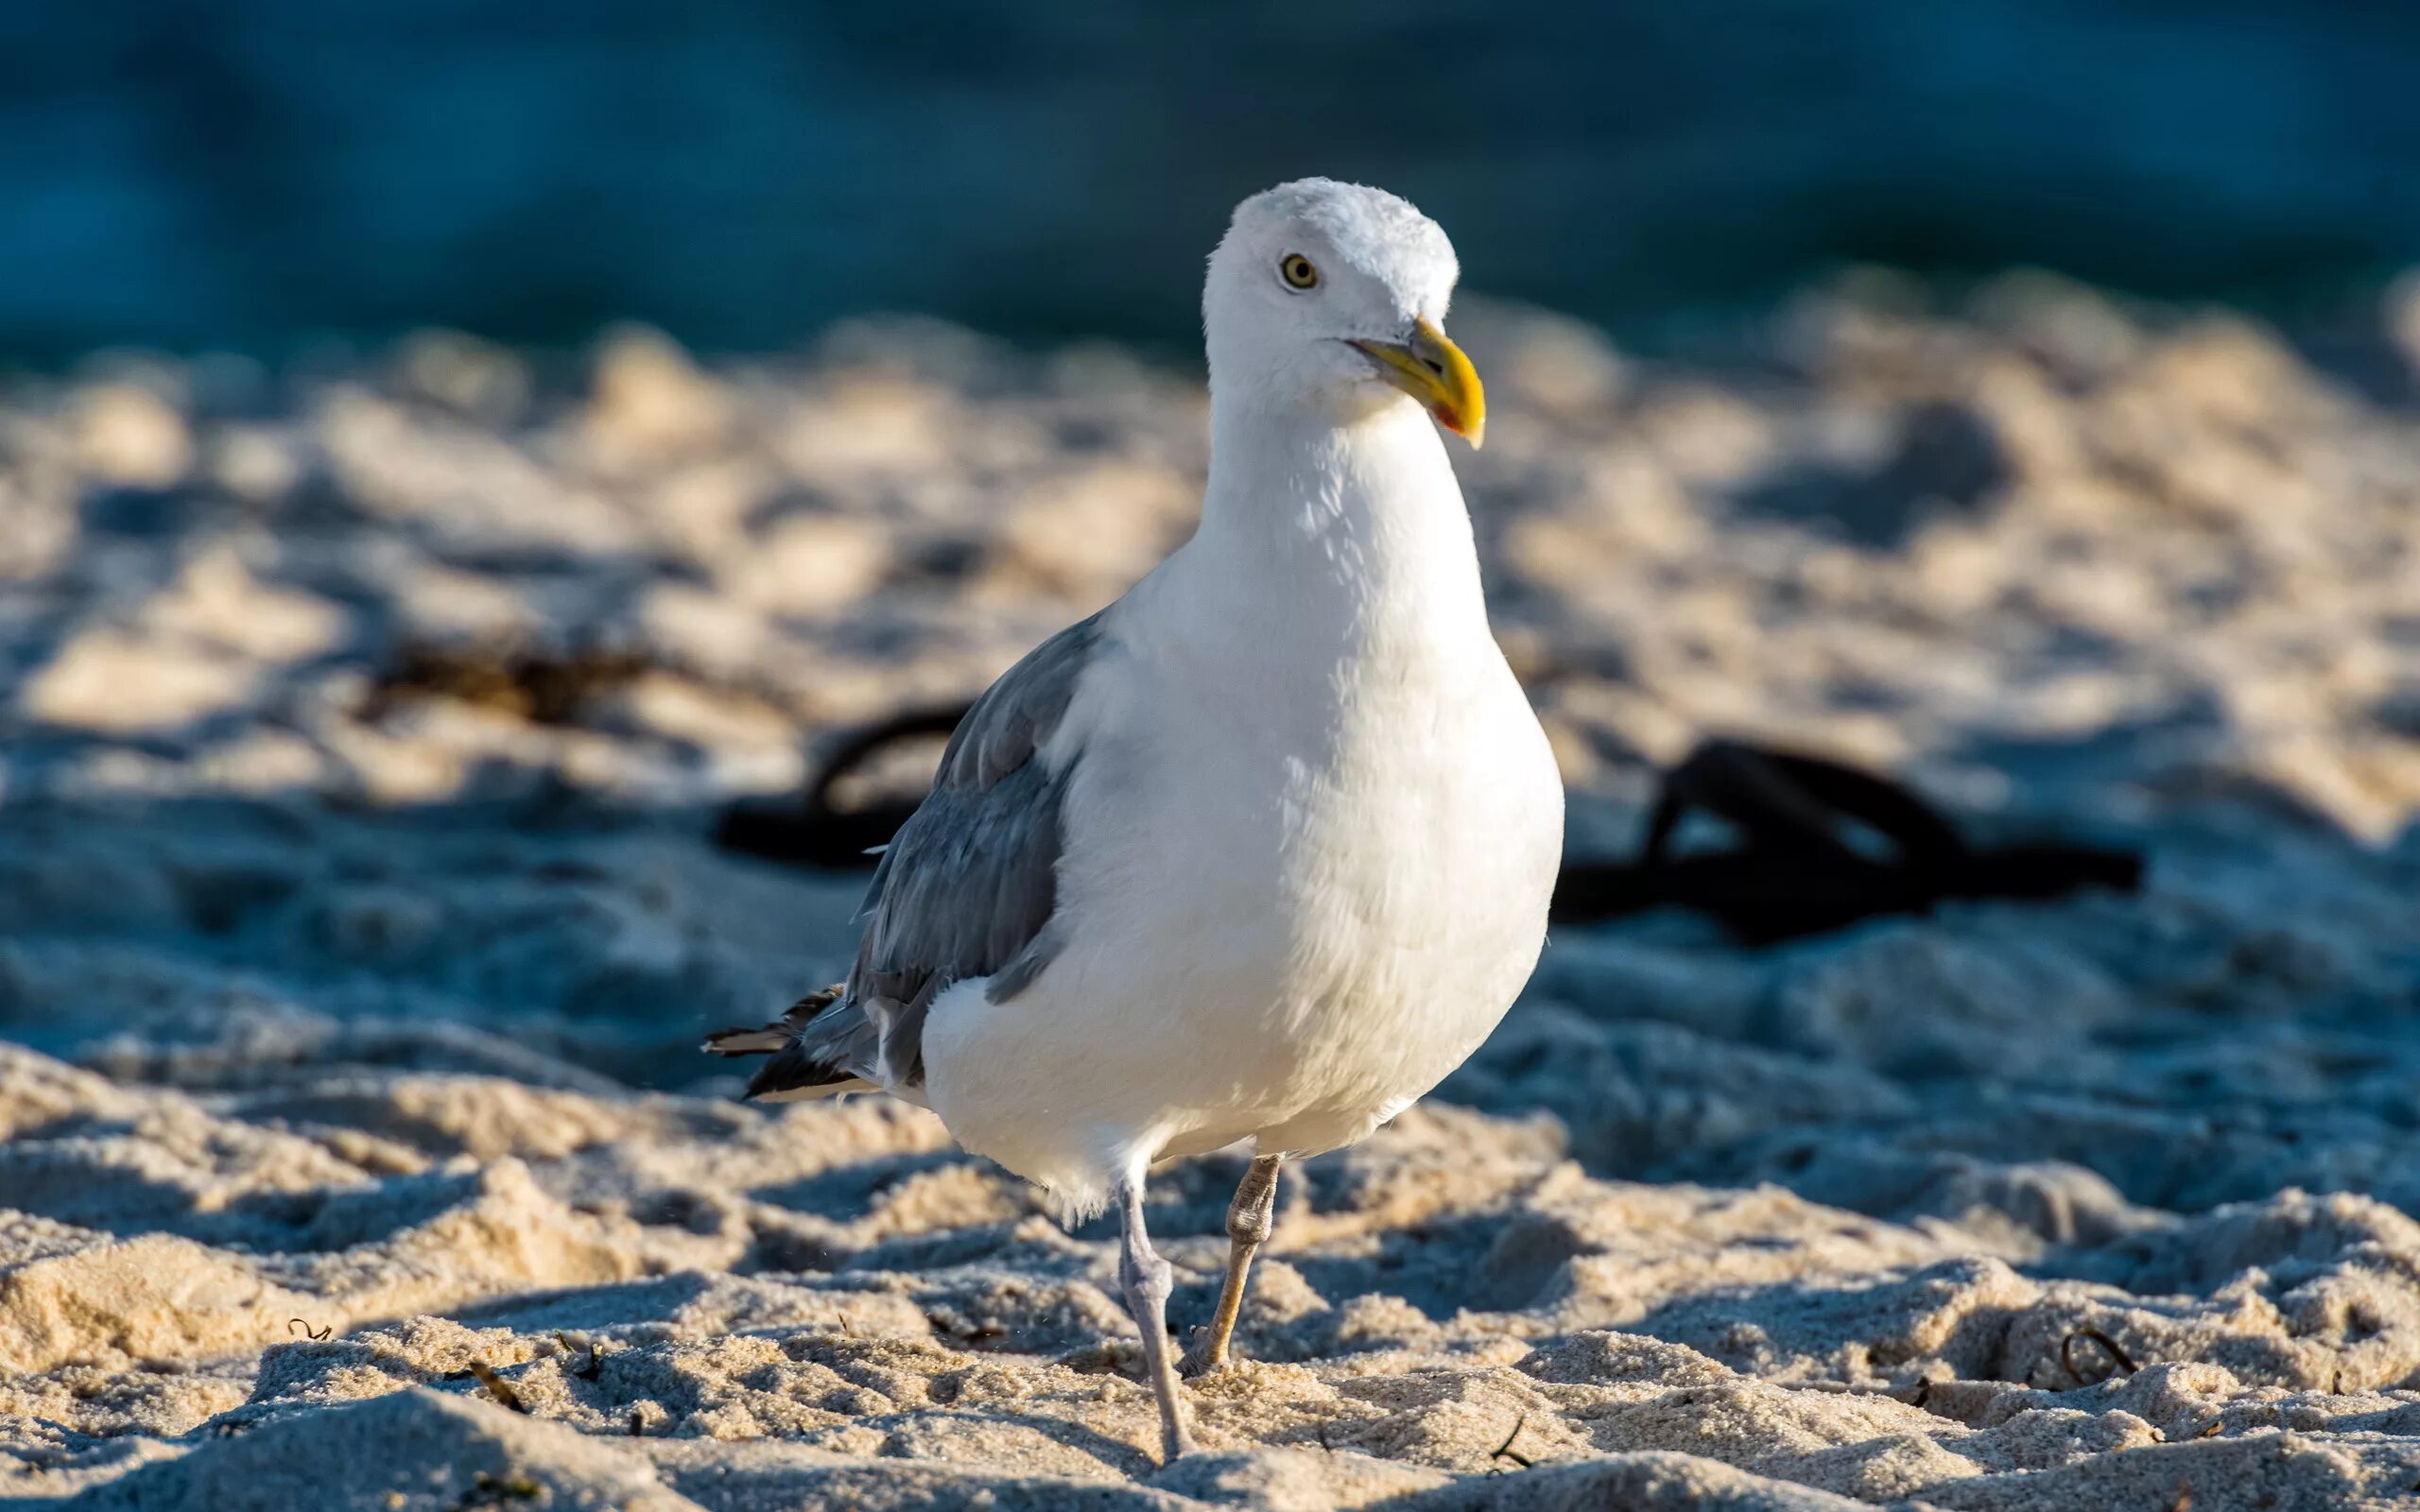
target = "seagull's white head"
x: 1332, y: 297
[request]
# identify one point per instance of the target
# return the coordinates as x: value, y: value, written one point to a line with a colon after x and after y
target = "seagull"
x: 1263, y: 849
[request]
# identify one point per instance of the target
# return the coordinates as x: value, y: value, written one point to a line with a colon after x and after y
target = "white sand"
x: 326, y: 1021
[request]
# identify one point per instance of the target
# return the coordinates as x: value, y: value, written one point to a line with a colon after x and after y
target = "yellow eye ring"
x: 1297, y: 272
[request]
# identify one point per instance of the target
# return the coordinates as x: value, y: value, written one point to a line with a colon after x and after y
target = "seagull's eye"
x: 1297, y: 272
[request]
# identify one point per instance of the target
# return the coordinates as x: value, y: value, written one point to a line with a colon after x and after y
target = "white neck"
x: 1351, y: 527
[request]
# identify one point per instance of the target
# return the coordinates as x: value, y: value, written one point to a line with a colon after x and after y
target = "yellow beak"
x: 1433, y: 370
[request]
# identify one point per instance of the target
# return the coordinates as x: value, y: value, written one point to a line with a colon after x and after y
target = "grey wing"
x: 967, y: 887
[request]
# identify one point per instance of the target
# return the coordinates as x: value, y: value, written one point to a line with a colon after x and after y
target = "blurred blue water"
x: 248, y: 173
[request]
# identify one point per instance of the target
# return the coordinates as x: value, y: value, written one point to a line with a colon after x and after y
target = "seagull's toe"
x: 1204, y: 1356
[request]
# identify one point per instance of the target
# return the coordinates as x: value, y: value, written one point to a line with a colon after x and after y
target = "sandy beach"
x: 358, y: 1154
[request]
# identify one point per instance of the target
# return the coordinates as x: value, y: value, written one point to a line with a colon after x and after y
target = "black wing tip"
x: 798, y: 1013
x: 766, y: 1040
x: 793, y: 1070
x: 744, y: 1041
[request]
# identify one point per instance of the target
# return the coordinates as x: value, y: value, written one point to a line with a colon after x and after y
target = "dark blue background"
x: 253, y: 173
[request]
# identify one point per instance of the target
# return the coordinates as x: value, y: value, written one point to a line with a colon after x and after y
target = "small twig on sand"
x: 498, y: 1387
x: 1504, y: 1449
x: 314, y: 1335
x: 2123, y: 1362
x: 587, y: 1370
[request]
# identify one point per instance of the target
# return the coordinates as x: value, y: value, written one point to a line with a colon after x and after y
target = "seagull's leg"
x: 1147, y: 1281
x: 1250, y: 1219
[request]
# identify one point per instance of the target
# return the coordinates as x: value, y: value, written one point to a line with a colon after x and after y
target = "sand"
x: 358, y: 1156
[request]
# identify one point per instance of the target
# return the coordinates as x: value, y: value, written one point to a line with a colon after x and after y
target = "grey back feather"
x: 968, y: 886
